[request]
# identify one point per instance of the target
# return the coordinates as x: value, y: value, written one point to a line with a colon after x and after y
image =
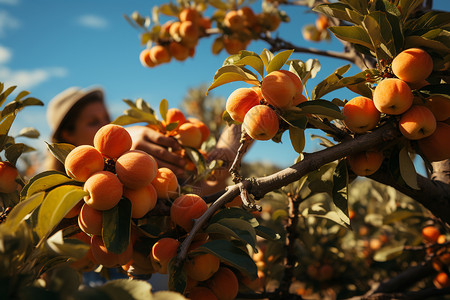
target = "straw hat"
x: 61, y: 104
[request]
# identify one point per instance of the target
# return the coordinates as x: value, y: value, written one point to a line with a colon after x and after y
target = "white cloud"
x: 27, y: 79
x: 7, y: 22
x: 92, y: 21
x: 10, y: 2
x: 5, y: 54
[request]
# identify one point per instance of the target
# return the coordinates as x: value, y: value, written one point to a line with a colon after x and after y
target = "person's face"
x: 92, y: 117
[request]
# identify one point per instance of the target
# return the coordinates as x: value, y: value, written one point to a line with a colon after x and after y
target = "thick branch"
x: 433, y: 194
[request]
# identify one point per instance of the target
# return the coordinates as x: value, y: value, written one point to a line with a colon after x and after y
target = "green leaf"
x: 197, y: 158
x: 323, y: 140
x: 353, y: 34
x: 5, y: 94
x: 423, y: 42
x: 267, y: 233
x: 29, y: 132
x: 323, y: 108
x: 295, y: 117
x: 18, y: 105
x: 116, y: 227
x: 340, y: 191
x: 45, y: 183
x: 5, y: 125
x: 142, y: 116
x: 407, y: 169
x: 340, y: 11
x: 177, y: 277
x: 330, y: 83
x: 428, y: 21
x: 163, y: 108
x: 266, y: 57
x: 144, y: 106
x: 57, y: 203
x: 13, y: 152
x: 231, y: 73
x: 380, y: 34
x: 21, y: 210
x: 231, y: 255
x: 357, y: 5
x: 237, y: 228
x: 127, y: 289
x: 401, y: 216
x: 172, y: 126
x: 167, y: 295
x: 60, y: 150
x: 407, y: 7
x: 435, y: 89
x: 389, y: 252
x: 279, y: 60
x: 297, y: 136
x: 125, y: 120
x: 234, y: 213
x: 247, y: 58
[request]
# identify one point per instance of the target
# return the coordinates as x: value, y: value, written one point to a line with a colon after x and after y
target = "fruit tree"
x: 352, y: 219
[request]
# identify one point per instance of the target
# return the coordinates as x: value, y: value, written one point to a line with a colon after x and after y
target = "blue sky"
x: 49, y: 45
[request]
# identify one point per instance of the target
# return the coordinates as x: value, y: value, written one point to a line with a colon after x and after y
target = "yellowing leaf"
x: 297, y: 136
x: 47, y: 182
x: 56, y: 205
x: 279, y: 60
x: 21, y: 210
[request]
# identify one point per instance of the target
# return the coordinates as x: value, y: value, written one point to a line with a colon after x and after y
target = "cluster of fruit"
x: 133, y: 174
x: 8, y: 175
x: 441, y: 256
x: 177, y: 39
x: 189, y: 132
x: 206, y: 278
x: 241, y: 26
x: 318, y: 31
x: 252, y: 106
x: 421, y: 120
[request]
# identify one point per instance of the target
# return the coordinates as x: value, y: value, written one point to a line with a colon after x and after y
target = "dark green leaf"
x: 357, y: 5
x: 60, y: 150
x: 407, y: 7
x: 434, y: 89
x: 340, y: 191
x: 197, y: 158
x: 423, y: 42
x: 267, y: 233
x: 407, y: 169
x: 340, y: 11
x: 237, y: 228
x: 380, y: 33
x: 177, y: 277
x: 330, y: 83
x: 297, y: 137
x: 231, y: 255
x: 13, y: 152
x: 323, y: 108
x: 295, y: 117
x: 352, y: 34
x: 144, y: 106
x: 116, y: 227
x: 236, y: 213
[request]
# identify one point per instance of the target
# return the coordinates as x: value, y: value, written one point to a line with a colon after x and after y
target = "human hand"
x: 159, y: 146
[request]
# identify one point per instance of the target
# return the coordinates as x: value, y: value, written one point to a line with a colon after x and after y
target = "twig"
x: 245, y: 143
